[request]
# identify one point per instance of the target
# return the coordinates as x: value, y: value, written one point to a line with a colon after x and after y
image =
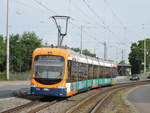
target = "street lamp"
x: 145, y: 55
x: 7, y: 38
x: 143, y: 27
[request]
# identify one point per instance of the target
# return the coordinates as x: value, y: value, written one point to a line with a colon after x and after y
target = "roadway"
x: 140, y: 98
x: 7, y: 87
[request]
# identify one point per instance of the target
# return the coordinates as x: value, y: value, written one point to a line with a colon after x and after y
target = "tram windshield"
x: 49, y: 67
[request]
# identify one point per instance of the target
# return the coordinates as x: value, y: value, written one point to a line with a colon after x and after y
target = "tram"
x: 63, y: 72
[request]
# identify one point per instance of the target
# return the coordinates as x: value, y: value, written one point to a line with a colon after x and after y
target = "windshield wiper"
x: 59, y: 76
x: 38, y: 74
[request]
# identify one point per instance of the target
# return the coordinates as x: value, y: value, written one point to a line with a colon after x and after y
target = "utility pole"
x: 122, y: 54
x: 81, y: 38
x: 105, y: 51
x: 7, y: 38
x: 145, y: 51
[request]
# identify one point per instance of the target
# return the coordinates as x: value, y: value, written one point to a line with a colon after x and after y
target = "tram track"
x: 102, y: 104
x: 94, y: 103
x: 98, y: 101
x: 44, y: 106
x: 22, y: 107
x: 34, y: 106
x: 104, y: 101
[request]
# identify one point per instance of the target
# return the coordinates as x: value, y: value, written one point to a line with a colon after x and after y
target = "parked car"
x: 148, y: 77
x: 135, y: 77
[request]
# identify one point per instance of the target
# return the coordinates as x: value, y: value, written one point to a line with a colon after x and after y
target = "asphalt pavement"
x: 140, y: 98
x: 7, y: 87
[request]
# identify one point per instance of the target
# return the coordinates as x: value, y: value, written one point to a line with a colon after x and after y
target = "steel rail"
x: 101, y: 104
x: 21, y: 107
x: 102, y: 96
x: 36, y: 103
x: 47, y: 104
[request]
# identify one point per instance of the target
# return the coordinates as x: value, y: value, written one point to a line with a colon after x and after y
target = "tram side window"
x: 100, y: 72
x: 69, y: 71
x: 111, y: 72
x: 108, y: 72
x: 82, y: 71
x: 114, y: 72
x: 109, y: 69
x: 74, y: 71
x: 95, y: 70
x: 86, y: 71
x: 79, y: 71
x: 104, y: 72
x: 90, y: 76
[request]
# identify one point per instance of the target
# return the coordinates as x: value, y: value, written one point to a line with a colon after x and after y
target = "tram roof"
x: 84, y: 59
x: 91, y: 60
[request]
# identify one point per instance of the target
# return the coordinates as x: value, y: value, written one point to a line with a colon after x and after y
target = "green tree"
x: 84, y: 52
x: 136, y: 56
x: 15, y: 52
x: 29, y: 41
x: 88, y: 53
x: 76, y: 50
x: 21, y: 48
x: 2, y: 53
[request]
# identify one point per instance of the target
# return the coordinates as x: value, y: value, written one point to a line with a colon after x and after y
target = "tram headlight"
x: 32, y: 85
x: 61, y: 86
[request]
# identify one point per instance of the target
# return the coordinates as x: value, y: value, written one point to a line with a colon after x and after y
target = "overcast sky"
x: 118, y: 22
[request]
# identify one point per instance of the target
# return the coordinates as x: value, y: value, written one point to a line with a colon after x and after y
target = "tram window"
x: 73, y: 71
x: 87, y: 66
x: 107, y: 72
x: 49, y: 67
x: 79, y: 71
x: 86, y: 71
x: 114, y: 72
x: 104, y: 72
x: 69, y: 70
x: 82, y: 71
x: 90, y: 71
x: 95, y: 69
x: 100, y: 72
x: 110, y: 71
